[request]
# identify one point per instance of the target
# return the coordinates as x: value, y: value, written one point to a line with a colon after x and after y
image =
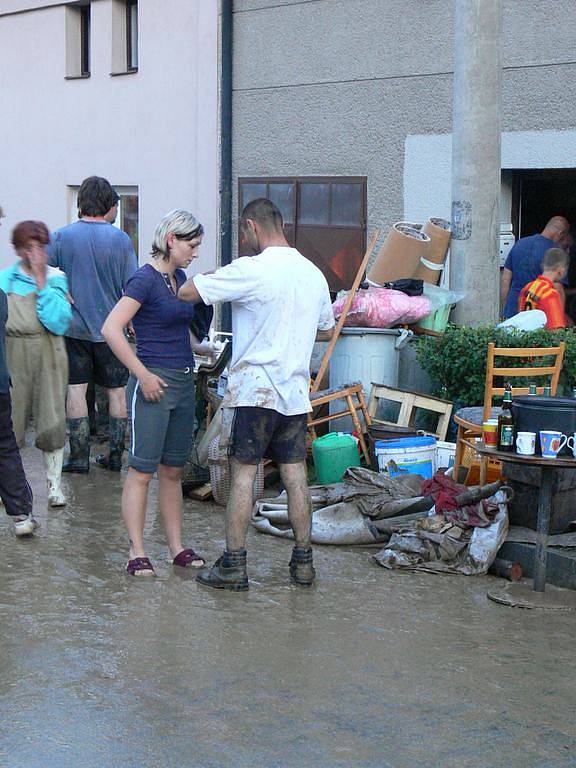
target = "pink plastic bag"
x: 382, y: 308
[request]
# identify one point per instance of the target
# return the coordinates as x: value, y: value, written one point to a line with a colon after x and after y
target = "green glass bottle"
x: 533, y: 391
x: 506, y: 426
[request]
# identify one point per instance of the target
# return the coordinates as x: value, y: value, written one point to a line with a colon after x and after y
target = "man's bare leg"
x: 229, y: 571
x: 295, y: 481
x: 117, y: 423
x: 117, y: 403
x: 78, y: 429
x: 76, y: 406
x: 239, y: 508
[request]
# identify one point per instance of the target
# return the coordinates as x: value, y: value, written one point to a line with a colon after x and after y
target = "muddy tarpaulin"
x: 438, y: 545
x: 354, y: 511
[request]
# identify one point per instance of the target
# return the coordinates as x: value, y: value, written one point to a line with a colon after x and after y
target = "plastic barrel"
x: 416, y: 455
x: 333, y: 454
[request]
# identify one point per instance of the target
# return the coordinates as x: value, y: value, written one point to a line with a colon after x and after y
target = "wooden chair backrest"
x: 532, y: 371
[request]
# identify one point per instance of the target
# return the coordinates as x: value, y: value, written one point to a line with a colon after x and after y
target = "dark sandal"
x: 188, y: 559
x: 140, y: 566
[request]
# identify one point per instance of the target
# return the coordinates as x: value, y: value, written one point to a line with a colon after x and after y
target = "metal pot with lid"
x: 536, y: 413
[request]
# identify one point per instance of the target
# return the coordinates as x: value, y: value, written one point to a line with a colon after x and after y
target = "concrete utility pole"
x: 476, y: 159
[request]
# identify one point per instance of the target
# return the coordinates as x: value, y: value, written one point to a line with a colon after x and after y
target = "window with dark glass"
x: 128, y: 213
x: 85, y: 40
x: 324, y: 218
x: 131, y: 35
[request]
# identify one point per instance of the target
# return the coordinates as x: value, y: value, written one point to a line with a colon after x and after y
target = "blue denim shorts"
x: 162, y: 432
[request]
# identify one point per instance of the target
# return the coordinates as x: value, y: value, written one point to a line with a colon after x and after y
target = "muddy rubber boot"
x: 228, y: 572
x: 301, y: 568
x: 79, y: 458
x: 53, y: 466
x: 117, y: 440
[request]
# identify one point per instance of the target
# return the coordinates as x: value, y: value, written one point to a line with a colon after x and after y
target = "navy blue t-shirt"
x: 162, y: 324
x: 525, y: 263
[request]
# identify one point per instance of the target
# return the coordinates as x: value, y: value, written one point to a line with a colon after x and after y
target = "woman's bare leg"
x: 170, y: 499
x: 134, y: 500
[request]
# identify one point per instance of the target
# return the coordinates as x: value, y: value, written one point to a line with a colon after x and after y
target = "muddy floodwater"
x: 369, y: 669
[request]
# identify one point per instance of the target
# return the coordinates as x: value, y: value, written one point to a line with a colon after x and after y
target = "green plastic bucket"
x: 333, y: 454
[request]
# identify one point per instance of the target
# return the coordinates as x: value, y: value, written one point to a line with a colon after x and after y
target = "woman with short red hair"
x: 39, y: 313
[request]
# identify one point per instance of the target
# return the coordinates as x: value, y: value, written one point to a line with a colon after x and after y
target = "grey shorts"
x: 162, y: 432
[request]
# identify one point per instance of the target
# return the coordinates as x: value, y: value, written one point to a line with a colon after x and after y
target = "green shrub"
x: 456, y: 361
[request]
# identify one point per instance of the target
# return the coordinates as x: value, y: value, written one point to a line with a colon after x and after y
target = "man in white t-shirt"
x: 280, y: 307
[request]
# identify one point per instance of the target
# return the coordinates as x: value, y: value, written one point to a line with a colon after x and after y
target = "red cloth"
x: 444, y: 491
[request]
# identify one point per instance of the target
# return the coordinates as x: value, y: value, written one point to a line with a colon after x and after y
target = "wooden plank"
x: 524, y: 372
x: 377, y: 388
x: 527, y: 351
x: 203, y: 493
x: 342, y: 319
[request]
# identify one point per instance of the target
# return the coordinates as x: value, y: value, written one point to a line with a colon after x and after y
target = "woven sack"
x: 220, y: 475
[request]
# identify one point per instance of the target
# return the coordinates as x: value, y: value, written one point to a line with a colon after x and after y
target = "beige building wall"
x: 155, y: 129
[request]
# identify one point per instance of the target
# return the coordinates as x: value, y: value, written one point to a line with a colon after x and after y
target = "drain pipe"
x: 226, y: 40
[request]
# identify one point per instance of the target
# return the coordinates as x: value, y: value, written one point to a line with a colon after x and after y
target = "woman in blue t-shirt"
x: 160, y: 392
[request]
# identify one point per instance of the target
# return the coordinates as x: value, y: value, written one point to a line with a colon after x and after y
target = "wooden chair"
x: 409, y: 403
x: 352, y: 393
x: 353, y: 396
x: 470, y: 420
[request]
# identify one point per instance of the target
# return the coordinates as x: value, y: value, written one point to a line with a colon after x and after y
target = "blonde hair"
x: 182, y: 224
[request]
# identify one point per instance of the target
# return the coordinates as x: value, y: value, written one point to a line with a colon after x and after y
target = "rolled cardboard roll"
x: 438, y: 230
x: 411, y: 225
x: 428, y: 271
x: 399, y: 255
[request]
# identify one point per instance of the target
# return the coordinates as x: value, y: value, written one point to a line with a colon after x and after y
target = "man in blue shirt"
x: 524, y: 262
x: 98, y: 260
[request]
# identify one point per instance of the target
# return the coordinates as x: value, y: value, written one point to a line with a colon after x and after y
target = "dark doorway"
x: 540, y: 194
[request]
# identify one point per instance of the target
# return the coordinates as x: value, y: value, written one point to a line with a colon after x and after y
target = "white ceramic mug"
x: 526, y: 443
x: 572, y: 445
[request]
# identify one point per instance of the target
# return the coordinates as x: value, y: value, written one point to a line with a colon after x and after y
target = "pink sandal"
x: 189, y: 559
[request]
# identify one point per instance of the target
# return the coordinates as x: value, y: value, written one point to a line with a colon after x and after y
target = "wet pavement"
x: 369, y: 669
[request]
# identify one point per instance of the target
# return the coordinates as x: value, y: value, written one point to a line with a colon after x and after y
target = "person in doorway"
x: 39, y: 313
x: 98, y: 260
x: 541, y: 293
x: 524, y: 262
x: 15, y: 490
x: 160, y: 391
x: 280, y: 307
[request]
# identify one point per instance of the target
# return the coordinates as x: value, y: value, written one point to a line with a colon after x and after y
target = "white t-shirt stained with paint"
x: 279, y: 301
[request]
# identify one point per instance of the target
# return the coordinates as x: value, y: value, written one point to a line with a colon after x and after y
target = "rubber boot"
x: 228, y: 572
x: 301, y: 568
x: 53, y: 466
x: 79, y: 458
x: 117, y: 440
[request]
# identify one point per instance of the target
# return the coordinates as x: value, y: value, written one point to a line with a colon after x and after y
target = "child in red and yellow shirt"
x: 541, y: 293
